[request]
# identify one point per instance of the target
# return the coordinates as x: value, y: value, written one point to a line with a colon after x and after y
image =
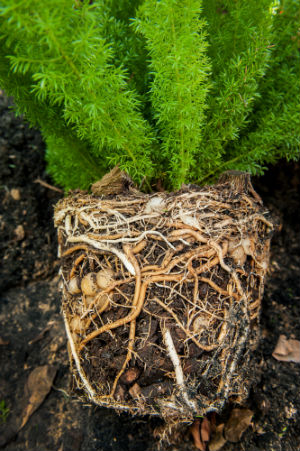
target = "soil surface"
x: 32, y: 332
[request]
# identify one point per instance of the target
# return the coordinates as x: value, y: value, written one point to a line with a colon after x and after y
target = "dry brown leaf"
x: 239, y: 421
x: 205, y: 430
x: 38, y: 385
x: 201, y: 433
x: 195, y: 431
x: 3, y: 342
x: 218, y: 440
x: 287, y: 350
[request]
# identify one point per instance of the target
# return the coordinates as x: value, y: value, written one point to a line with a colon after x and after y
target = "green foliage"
x: 4, y: 411
x: 240, y: 36
x: 176, y: 41
x: 170, y: 90
x: 70, y: 64
x: 274, y: 127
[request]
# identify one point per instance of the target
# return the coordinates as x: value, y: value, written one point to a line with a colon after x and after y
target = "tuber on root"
x: 167, y: 287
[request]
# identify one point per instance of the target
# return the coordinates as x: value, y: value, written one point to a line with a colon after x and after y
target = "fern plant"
x: 171, y: 91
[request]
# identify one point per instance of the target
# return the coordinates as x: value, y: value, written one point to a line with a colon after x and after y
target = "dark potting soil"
x: 32, y: 332
x: 27, y: 241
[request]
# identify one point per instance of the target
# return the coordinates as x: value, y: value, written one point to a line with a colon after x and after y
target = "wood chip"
x: 201, y: 431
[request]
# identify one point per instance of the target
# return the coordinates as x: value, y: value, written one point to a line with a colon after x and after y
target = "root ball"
x: 171, y: 286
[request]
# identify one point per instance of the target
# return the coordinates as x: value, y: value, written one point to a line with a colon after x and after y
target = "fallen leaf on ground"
x: 239, y: 421
x: 287, y: 350
x: 201, y: 433
x: 38, y: 385
x: 205, y: 430
x: 195, y: 431
x: 3, y: 342
x: 218, y: 440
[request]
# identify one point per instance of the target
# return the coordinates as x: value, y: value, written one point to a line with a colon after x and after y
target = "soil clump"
x: 162, y: 295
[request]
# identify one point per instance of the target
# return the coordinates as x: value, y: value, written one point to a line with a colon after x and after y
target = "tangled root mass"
x: 162, y: 295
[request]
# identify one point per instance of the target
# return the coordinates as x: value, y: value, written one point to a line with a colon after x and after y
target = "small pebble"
x: 15, y: 194
x: 19, y: 232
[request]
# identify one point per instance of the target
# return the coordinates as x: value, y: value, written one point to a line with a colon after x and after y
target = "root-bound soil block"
x: 162, y: 294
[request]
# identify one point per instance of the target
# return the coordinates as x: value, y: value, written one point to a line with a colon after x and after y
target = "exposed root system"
x: 162, y: 295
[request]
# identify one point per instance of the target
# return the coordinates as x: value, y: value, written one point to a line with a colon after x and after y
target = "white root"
x: 119, y: 224
x: 87, y: 385
x: 178, y: 368
x: 154, y: 232
x: 59, y: 215
x: 139, y: 238
x: 88, y: 219
x: 103, y: 247
x: 68, y: 225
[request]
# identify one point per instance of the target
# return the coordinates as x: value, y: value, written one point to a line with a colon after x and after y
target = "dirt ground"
x: 32, y: 333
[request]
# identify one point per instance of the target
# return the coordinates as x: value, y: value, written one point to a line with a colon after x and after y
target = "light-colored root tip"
x: 178, y: 369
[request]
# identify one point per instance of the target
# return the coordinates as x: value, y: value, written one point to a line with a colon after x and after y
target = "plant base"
x: 162, y: 295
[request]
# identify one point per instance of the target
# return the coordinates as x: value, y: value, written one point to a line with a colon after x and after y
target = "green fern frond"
x: 176, y: 40
x: 73, y: 68
x: 240, y: 38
